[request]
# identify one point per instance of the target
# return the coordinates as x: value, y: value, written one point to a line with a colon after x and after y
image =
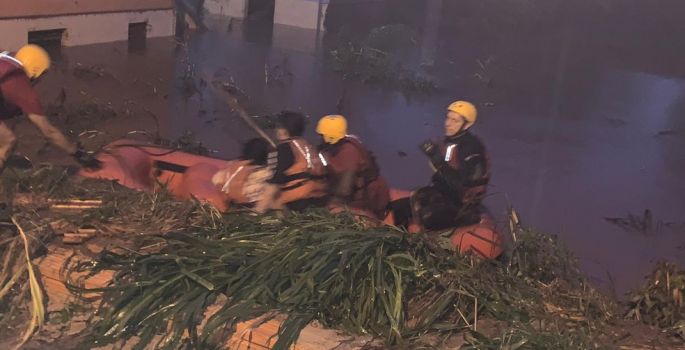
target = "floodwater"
x: 576, y: 132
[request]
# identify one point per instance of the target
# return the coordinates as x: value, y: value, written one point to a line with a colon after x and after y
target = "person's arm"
x: 52, y: 133
x: 17, y: 90
x: 344, y: 187
x: 55, y: 136
x: 345, y: 165
x: 471, y: 169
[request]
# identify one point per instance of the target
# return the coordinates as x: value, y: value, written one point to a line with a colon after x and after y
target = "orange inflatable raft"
x: 145, y: 167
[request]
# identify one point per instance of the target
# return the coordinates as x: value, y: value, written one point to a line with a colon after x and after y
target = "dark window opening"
x: 258, y: 26
x: 50, y: 40
x: 261, y: 10
x: 137, y: 36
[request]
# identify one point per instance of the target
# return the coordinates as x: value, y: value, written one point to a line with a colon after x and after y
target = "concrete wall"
x: 86, y: 29
x: 301, y: 13
x: 36, y: 8
x: 231, y: 8
x: 297, y: 13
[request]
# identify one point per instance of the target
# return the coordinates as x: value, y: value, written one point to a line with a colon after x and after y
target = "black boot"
x: 5, y: 212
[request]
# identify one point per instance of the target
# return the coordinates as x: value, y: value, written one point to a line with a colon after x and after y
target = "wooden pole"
x: 217, y: 87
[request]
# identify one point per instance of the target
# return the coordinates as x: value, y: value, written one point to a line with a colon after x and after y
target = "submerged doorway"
x: 262, y: 10
x: 259, y: 23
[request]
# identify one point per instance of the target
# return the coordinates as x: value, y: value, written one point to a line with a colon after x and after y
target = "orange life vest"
x: 304, y: 183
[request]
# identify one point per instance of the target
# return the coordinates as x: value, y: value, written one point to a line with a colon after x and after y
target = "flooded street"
x: 576, y: 132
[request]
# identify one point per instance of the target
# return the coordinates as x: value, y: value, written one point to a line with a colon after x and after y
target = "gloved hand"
x: 431, y: 150
x: 86, y: 159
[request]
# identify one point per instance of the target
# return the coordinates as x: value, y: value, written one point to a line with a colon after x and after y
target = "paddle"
x: 218, y: 88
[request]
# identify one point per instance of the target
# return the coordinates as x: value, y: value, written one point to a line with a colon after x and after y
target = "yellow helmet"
x: 35, y: 60
x: 333, y: 128
x: 466, y: 109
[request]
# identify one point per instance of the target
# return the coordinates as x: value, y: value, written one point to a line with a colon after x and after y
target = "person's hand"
x: 431, y: 150
x: 86, y: 160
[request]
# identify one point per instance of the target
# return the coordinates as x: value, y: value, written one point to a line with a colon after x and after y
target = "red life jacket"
x: 8, y: 66
x: 368, y: 170
x: 370, y: 191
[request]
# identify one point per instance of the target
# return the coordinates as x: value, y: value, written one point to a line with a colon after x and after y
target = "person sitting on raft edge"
x: 353, y: 174
x: 296, y: 183
x: 459, y: 182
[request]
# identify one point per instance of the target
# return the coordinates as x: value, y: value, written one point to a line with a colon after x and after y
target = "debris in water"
x: 616, y: 122
x: 340, y: 105
x: 188, y: 86
x: 485, y: 71
x: 186, y: 143
x: 379, y: 59
x: 279, y: 75
x: 61, y: 98
x: 402, y: 154
x: 90, y: 73
x: 661, y: 301
x: 644, y: 224
x: 669, y: 133
x: 152, y: 87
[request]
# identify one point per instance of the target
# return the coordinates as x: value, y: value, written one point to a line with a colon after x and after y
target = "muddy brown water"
x: 576, y: 132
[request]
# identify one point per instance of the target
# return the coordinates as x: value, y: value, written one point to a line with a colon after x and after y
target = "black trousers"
x: 434, y: 210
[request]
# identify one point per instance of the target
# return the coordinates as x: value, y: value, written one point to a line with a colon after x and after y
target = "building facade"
x: 306, y: 14
x: 73, y: 23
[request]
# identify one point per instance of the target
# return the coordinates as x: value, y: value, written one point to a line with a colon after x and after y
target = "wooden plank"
x: 254, y: 334
x: 50, y: 267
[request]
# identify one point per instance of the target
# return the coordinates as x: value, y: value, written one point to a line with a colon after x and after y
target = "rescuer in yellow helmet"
x: 354, y: 177
x: 461, y: 175
x: 18, y: 74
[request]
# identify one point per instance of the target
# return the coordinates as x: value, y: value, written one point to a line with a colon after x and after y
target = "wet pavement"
x: 575, y: 134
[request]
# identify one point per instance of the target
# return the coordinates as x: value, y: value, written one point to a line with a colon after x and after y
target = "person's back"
x: 17, y: 96
x: 11, y: 76
x: 243, y: 181
x: 352, y: 170
x: 293, y: 184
